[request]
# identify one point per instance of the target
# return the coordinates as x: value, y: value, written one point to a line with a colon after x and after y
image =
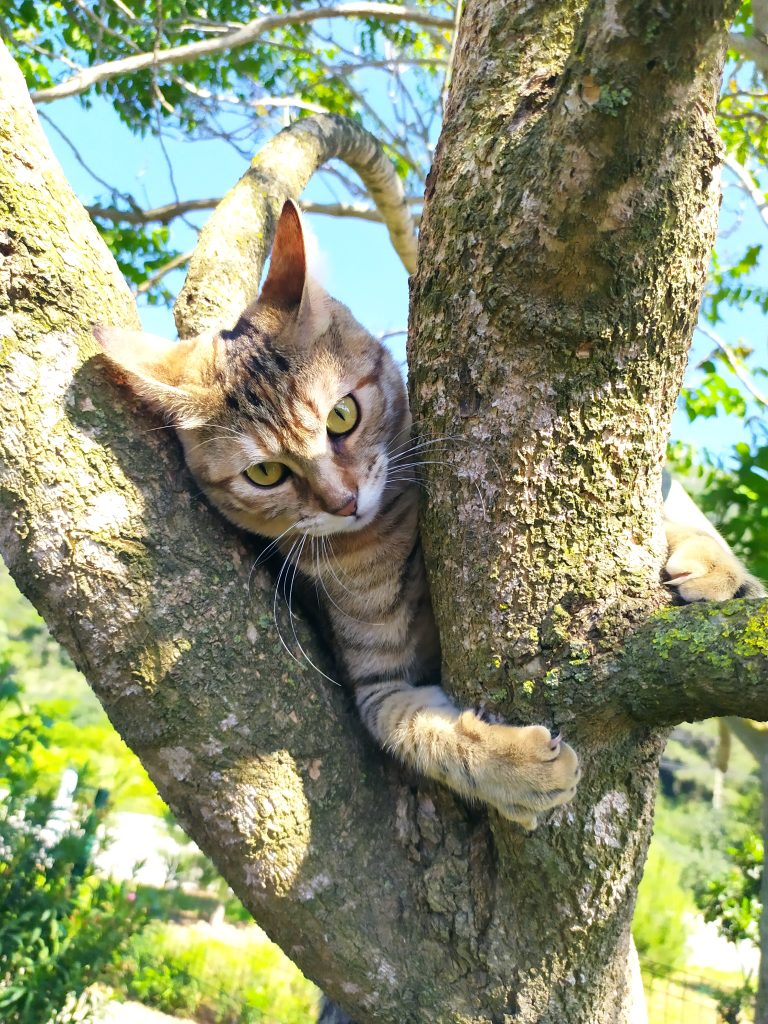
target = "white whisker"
x: 265, y: 554
x: 343, y: 611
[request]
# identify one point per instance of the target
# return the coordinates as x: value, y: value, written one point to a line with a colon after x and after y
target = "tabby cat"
x: 296, y: 425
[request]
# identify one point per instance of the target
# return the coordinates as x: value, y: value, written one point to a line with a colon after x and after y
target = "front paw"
x: 526, y: 771
x: 701, y: 569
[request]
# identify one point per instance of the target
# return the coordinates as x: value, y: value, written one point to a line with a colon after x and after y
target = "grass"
x: 217, y: 975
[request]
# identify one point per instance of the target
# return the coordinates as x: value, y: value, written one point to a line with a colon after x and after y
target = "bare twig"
x: 735, y: 364
x: 452, y: 54
x: 751, y: 47
x: 747, y: 183
x: 178, y: 261
x: 76, y: 152
x: 218, y: 288
x: 169, y: 212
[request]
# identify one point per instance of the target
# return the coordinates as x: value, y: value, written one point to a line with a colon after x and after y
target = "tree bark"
x: 568, y: 224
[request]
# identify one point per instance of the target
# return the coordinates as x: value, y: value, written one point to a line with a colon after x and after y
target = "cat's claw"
x: 526, y: 770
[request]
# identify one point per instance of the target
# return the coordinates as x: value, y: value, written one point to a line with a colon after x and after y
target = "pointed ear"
x: 284, y: 286
x: 154, y: 369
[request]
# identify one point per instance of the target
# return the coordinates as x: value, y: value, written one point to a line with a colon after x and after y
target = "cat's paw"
x: 525, y: 770
x: 701, y: 569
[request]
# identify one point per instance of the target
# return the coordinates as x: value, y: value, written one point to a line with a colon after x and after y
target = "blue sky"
x: 360, y: 266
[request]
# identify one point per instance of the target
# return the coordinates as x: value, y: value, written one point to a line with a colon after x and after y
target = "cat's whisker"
x: 266, y: 553
x: 343, y: 611
x: 274, y: 605
x: 291, y: 616
x: 331, y: 554
x: 409, y: 480
x: 416, y: 440
x: 166, y: 426
x: 416, y: 445
x: 398, y: 467
x: 413, y: 435
x: 399, y: 459
x: 208, y: 440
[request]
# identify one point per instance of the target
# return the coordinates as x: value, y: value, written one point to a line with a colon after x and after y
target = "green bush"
x: 232, y: 977
x: 732, y: 899
x: 658, y: 925
x: 60, y: 924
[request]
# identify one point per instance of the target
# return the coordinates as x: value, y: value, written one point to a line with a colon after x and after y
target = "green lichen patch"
x: 753, y: 641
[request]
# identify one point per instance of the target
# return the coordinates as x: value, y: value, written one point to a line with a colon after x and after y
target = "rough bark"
x: 551, y: 317
x: 555, y: 350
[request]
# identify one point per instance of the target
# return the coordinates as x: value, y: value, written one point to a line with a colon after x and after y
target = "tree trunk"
x: 569, y: 219
x: 551, y: 317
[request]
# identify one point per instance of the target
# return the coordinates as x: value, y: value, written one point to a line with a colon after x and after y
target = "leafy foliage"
x: 386, y: 74
x: 61, y: 925
x: 230, y: 977
x: 78, y: 732
x: 732, y: 900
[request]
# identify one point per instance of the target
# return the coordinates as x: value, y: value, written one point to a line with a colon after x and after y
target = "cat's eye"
x: 266, y: 474
x: 343, y: 416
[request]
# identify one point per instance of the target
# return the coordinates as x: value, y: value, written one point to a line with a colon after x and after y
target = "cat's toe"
x: 520, y: 815
x: 700, y: 569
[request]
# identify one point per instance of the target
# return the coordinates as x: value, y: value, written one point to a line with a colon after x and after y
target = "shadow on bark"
x: 330, y: 1013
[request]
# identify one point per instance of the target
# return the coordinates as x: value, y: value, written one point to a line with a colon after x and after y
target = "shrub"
x: 222, y: 976
x: 60, y: 924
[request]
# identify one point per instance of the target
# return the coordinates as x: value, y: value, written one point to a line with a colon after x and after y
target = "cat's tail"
x: 521, y: 771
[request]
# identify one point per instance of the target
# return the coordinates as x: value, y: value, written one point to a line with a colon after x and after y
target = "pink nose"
x: 347, y: 510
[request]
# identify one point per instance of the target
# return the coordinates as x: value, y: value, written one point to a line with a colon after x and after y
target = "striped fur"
x: 262, y: 392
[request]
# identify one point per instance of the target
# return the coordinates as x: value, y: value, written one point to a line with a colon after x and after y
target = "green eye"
x: 266, y: 474
x: 343, y: 416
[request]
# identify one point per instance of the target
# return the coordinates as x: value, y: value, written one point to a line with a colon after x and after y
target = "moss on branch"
x: 690, y: 663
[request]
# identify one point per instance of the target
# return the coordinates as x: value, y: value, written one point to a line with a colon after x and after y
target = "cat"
x: 295, y: 423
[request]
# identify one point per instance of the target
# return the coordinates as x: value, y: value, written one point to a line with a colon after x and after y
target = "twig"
x: 735, y: 364
x: 173, y: 264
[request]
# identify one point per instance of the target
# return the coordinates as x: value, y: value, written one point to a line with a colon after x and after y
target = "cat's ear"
x: 284, y: 286
x: 158, y: 371
x: 289, y: 287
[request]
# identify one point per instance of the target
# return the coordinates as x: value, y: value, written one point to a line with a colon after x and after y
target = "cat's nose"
x: 349, y: 509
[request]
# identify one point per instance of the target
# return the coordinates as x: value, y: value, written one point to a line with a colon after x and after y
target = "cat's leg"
x: 521, y: 771
x: 702, y: 568
x: 700, y: 565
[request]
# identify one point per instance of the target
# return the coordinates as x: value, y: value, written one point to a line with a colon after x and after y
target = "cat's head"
x: 291, y: 419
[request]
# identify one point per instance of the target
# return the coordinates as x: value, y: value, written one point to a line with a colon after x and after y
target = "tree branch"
x: 249, y: 33
x: 686, y: 664
x: 261, y: 761
x: 165, y: 214
x: 748, y: 185
x: 226, y: 267
x: 180, y: 260
x: 753, y: 48
x: 599, y: 278
x: 735, y: 363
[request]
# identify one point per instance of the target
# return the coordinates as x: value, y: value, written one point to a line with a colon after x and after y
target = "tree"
x: 569, y: 217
